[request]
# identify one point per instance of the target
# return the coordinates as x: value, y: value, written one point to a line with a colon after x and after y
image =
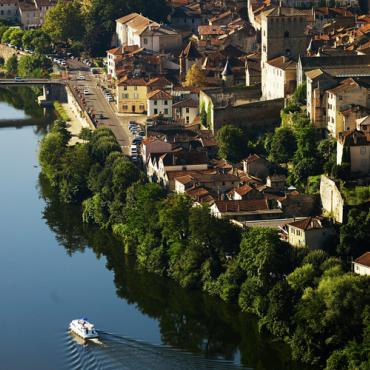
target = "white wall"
x: 160, y: 107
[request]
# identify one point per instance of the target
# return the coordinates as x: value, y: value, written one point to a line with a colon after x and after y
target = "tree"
x: 11, y: 65
x: 283, y: 145
x: 232, y: 143
x: 100, y: 17
x: 5, y: 38
x: 355, y: 234
x: 300, y: 93
x: 16, y: 37
x: 36, y: 40
x: 195, y: 76
x: 35, y: 65
x: 64, y: 23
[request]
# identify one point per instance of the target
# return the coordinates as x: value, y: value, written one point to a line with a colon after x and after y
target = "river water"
x: 53, y: 269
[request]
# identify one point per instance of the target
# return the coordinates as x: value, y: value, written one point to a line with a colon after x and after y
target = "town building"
x: 354, y: 148
x: 135, y: 29
x: 361, y: 265
x: 132, y: 95
x: 159, y: 102
x: 9, y: 10
x: 310, y: 233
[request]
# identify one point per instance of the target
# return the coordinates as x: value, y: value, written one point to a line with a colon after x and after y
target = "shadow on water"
x: 190, y: 321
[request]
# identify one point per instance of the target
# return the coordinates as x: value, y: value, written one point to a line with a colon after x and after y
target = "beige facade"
x: 361, y: 265
x: 347, y: 93
x: 135, y: 29
x: 331, y: 199
x: 132, y: 97
x: 279, y: 78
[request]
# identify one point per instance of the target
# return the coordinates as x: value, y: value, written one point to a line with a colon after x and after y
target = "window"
x: 155, y: 102
x: 155, y: 111
x: 125, y: 106
x: 286, y: 34
x: 135, y: 88
x: 187, y: 110
x: 141, y: 107
x: 187, y: 119
x: 165, y: 111
x: 145, y: 41
x: 165, y: 102
x: 125, y: 96
x: 136, y: 96
x: 125, y: 87
x: 363, y: 150
x: 340, y: 97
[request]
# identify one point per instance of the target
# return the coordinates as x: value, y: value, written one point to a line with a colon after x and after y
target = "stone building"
x: 282, y: 34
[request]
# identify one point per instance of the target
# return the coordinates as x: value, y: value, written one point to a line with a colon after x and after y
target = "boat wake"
x: 114, y: 352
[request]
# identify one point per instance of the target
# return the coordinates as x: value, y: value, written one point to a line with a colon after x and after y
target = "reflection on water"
x: 188, y: 320
x: 45, y: 283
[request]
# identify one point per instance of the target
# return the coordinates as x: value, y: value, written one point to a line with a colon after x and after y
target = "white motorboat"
x: 83, y: 328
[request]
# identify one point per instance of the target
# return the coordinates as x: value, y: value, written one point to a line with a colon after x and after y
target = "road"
x: 96, y: 101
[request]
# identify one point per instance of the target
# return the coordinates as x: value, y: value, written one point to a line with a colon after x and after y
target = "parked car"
x: 18, y: 79
x: 137, y: 140
x: 86, y: 92
x: 81, y: 78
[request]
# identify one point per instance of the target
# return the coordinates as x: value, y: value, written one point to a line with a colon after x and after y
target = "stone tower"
x: 283, y: 33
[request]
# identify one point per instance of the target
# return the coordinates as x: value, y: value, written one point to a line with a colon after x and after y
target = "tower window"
x: 286, y: 34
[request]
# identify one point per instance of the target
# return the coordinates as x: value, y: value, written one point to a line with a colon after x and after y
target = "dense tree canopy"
x: 35, y: 65
x: 232, y: 143
x: 283, y: 145
x: 64, y: 22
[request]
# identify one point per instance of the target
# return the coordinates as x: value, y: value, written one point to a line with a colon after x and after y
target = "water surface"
x: 53, y: 269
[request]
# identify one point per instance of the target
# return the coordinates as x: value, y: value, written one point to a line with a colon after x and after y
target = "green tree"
x: 355, y: 234
x: 5, y: 38
x: 329, y: 316
x: 300, y: 93
x: 64, y: 23
x: 283, y: 145
x: 232, y: 143
x: 11, y: 65
x: 16, y: 37
x: 35, y: 65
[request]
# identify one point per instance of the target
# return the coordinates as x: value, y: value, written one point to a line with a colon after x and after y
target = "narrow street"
x: 96, y: 101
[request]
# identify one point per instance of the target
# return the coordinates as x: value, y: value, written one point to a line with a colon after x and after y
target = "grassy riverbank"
x: 62, y: 114
x: 305, y: 297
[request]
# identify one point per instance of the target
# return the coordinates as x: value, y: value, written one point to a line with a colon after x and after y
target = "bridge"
x: 53, y: 88
x: 30, y: 81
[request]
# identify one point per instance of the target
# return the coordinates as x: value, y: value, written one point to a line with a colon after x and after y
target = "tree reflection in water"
x: 25, y: 98
x: 189, y: 320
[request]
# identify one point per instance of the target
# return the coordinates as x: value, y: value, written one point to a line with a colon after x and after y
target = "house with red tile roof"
x: 361, y: 265
x: 159, y: 102
x: 135, y: 29
x: 311, y: 232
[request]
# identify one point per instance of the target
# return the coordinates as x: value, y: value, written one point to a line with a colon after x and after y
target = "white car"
x: 81, y: 78
x: 86, y: 92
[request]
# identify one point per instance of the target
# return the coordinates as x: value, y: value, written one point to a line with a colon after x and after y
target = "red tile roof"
x: 242, y: 205
x: 309, y: 223
x: 364, y: 259
x: 159, y: 95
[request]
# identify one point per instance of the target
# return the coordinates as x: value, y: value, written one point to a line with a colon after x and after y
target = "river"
x: 53, y: 269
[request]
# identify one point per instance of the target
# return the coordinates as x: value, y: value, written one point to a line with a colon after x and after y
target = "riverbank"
x: 170, y: 237
x: 60, y: 268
